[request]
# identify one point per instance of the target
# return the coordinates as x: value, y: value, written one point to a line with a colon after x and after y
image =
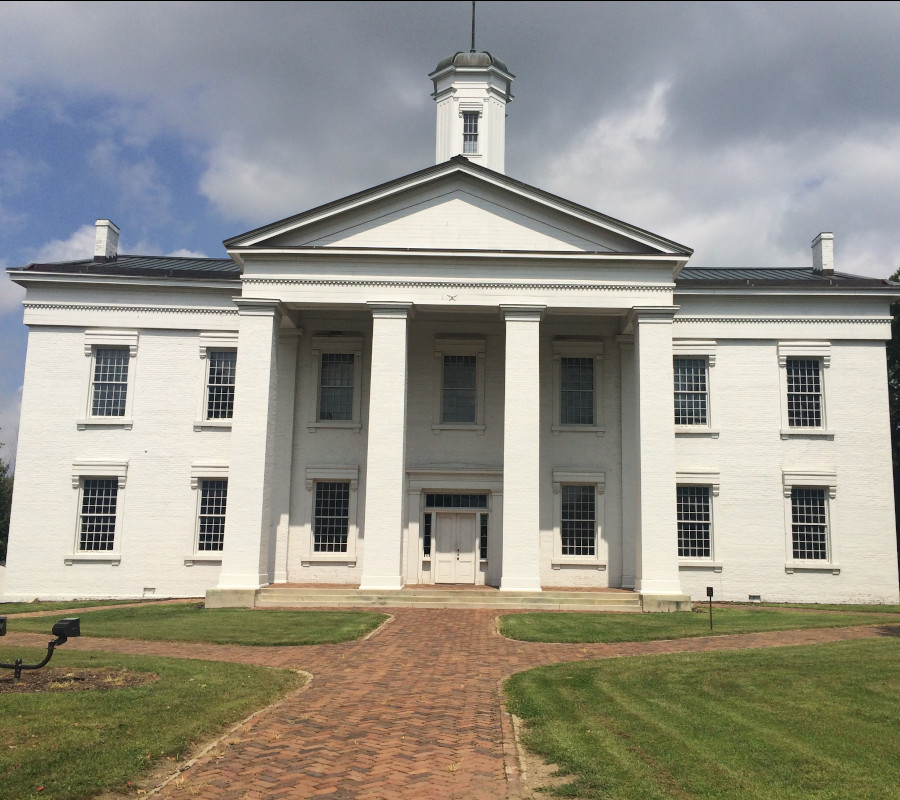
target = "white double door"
x: 455, y: 539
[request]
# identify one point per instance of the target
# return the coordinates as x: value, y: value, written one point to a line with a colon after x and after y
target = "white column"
x: 657, y: 548
x: 385, y: 458
x: 630, y: 459
x: 284, y: 452
x: 521, y: 450
x: 248, y: 520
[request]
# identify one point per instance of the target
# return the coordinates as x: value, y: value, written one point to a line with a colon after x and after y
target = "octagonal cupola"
x: 471, y: 91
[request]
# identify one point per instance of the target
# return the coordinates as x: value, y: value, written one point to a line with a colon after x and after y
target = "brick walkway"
x: 412, y: 712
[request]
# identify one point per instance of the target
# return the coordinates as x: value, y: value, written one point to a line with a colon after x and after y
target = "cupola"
x: 471, y: 91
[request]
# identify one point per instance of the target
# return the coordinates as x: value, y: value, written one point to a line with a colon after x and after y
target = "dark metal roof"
x: 145, y: 266
x: 808, y: 277
x: 471, y: 59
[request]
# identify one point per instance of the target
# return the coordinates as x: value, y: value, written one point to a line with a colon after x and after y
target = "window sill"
x: 212, y: 424
x: 699, y: 563
x: 592, y: 563
x: 558, y: 429
x: 329, y: 558
x: 105, y: 422
x: 688, y: 431
x: 204, y: 558
x: 791, y: 567
x: 98, y: 557
x: 806, y: 433
x: 436, y: 429
x: 346, y: 425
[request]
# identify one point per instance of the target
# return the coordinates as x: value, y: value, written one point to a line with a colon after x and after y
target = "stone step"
x: 619, y: 609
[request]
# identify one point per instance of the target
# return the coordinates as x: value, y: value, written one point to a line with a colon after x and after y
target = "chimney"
x: 823, y: 253
x: 107, y: 242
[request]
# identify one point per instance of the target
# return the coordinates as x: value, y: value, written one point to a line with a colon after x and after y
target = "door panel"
x: 455, y: 548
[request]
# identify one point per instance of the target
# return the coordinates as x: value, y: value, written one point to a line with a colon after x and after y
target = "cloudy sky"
x: 739, y: 129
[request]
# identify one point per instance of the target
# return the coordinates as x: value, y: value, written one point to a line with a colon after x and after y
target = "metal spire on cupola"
x: 471, y: 91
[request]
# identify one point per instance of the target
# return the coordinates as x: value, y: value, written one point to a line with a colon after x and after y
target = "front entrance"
x: 455, y: 548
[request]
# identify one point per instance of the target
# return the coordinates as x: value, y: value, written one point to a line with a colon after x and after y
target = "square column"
x: 630, y: 459
x: 386, y: 449
x: 657, y: 537
x: 522, y: 450
x: 248, y: 518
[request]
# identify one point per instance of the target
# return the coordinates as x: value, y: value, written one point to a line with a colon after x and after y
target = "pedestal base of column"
x: 516, y: 584
x: 230, y: 598
x: 665, y: 602
x: 381, y: 583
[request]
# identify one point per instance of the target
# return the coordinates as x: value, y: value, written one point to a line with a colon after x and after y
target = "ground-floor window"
x: 331, y: 520
x: 694, y: 522
x: 426, y: 534
x: 211, y: 518
x: 99, y: 498
x: 809, y: 524
x: 578, y: 521
x: 483, y: 537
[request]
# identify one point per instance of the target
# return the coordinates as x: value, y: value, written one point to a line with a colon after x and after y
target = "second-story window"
x: 470, y: 132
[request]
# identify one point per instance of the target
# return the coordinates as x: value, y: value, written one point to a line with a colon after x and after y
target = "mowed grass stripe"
x: 815, y: 721
x: 192, y: 623
x: 602, y: 627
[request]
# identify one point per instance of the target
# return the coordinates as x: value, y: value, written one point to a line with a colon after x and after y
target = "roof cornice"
x: 27, y: 278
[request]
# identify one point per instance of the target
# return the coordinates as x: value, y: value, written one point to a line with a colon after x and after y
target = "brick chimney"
x: 107, y: 242
x: 823, y: 253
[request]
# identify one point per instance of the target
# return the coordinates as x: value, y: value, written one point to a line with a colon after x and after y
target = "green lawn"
x: 54, y: 605
x: 860, y: 607
x: 191, y: 623
x: 796, y: 723
x: 76, y: 744
x: 605, y: 627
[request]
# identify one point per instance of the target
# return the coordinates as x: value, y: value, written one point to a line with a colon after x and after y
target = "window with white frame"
x: 577, y: 365
x: 111, y: 381
x: 579, y: 511
x: 220, y: 375
x: 809, y: 507
x: 99, y: 485
x: 338, y: 364
x: 691, y: 363
x: 802, y: 367
x: 695, y: 493
x: 470, y: 132
x: 211, y: 515
x: 333, y: 503
x: 458, y: 384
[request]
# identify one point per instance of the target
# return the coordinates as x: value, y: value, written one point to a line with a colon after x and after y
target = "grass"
x: 54, y: 605
x: 191, y: 623
x: 794, y: 723
x: 77, y: 744
x: 605, y: 627
x: 850, y: 607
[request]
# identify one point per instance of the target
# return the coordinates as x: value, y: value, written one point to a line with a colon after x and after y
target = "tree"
x: 6, y: 490
x: 893, y: 367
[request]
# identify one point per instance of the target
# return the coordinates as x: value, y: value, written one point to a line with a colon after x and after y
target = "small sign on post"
x: 709, y: 594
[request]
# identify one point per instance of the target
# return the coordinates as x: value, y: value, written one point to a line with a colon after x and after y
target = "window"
x: 426, y: 535
x: 332, y: 514
x: 470, y: 132
x: 220, y: 374
x: 691, y: 397
x: 99, y: 520
x: 577, y: 366
x: 809, y: 507
x: 483, y: 537
x: 211, y: 518
x: 694, y: 522
x: 579, y: 510
x: 456, y: 500
x: 111, y: 379
x: 338, y: 365
x: 333, y: 501
x: 458, y: 384
x: 803, y: 388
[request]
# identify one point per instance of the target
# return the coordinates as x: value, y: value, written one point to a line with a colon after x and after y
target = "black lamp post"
x: 62, y: 630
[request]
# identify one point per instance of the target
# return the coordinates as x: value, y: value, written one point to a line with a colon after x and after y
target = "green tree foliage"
x: 6, y: 490
x: 893, y: 366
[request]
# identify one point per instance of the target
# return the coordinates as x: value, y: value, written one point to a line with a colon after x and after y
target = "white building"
x: 454, y: 378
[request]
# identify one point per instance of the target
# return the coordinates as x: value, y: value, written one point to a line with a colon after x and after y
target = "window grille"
x: 213, y: 499
x: 809, y: 526
x: 220, y: 384
x: 336, y: 387
x: 578, y: 523
x: 449, y: 500
x: 691, y: 394
x: 426, y: 535
x: 576, y: 380
x: 470, y: 132
x: 110, y: 385
x: 804, y: 393
x: 694, y: 522
x: 483, y: 537
x: 332, y: 517
x: 458, y: 390
x: 98, y: 513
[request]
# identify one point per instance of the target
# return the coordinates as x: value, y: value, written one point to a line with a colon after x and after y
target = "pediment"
x: 456, y: 206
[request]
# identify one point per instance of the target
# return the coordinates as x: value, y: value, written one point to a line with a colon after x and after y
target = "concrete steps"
x: 307, y: 597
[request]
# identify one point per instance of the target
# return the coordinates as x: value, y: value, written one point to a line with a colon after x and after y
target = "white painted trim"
x: 577, y: 347
x: 458, y: 346
x: 350, y: 343
x: 815, y: 479
x: 333, y: 473
x: 814, y: 350
x: 584, y: 478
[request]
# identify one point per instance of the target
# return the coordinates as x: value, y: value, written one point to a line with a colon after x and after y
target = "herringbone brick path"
x: 412, y: 712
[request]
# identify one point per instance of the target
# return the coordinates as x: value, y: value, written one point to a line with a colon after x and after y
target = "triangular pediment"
x: 457, y: 206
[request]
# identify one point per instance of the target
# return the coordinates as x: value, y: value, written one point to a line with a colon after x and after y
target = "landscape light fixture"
x: 63, y: 630
x: 709, y: 594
